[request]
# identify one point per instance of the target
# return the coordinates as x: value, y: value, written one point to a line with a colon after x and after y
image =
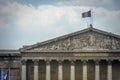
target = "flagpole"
x: 87, y: 23
x: 91, y: 18
x: 9, y: 73
x: 9, y: 65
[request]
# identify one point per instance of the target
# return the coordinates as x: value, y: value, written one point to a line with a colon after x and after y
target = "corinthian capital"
x: 36, y: 62
x: 23, y: 62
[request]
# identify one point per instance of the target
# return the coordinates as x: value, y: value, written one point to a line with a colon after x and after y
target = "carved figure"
x: 91, y: 40
x: 83, y: 42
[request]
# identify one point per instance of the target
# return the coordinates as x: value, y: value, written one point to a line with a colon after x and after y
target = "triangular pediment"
x: 87, y: 39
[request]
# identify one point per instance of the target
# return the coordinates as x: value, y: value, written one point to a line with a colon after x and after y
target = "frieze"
x: 86, y: 41
x: 103, y: 54
x: 74, y: 54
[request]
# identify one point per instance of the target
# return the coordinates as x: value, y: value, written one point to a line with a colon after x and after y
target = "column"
x: 60, y: 70
x: 47, y: 70
x: 109, y: 70
x: 97, y: 70
x: 36, y: 69
x: 72, y: 71
x: 23, y: 74
x: 84, y: 70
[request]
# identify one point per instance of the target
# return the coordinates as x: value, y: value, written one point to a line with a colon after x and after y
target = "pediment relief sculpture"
x: 86, y: 40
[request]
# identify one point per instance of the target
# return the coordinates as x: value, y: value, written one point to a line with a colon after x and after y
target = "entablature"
x: 71, y: 54
x: 70, y: 51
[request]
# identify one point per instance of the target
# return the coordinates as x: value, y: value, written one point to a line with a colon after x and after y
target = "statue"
x: 91, y: 40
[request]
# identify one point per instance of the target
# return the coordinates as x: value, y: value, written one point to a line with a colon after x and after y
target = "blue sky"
x: 26, y: 22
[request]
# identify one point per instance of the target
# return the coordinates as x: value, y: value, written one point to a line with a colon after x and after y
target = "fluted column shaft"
x: 97, y: 70
x: 60, y: 71
x: 36, y: 69
x: 23, y: 75
x: 72, y: 71
x: 84, y: 70
x: 47, y: 70
x: 109, y: 71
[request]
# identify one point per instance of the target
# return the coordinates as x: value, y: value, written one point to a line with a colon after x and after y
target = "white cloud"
x: 50, y: 21
x: 94, y: 2
x: 25, y: 16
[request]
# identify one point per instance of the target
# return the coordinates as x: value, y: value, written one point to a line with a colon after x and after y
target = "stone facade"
x: 89, y: 54
x: 10, y: 59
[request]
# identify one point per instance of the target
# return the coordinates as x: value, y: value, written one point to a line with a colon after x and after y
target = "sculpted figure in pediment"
x: 85, y: 41
x: 91, y: 40
x: 113, y: 44
x: 76, y: 43
x: 107, y: 41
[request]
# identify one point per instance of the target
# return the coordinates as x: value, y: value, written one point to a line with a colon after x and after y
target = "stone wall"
x: 14, y: 66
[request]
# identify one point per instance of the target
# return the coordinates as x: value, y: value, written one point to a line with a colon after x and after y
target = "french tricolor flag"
x: 86, y: 14
x: 0, y: 74
x: 7, y: 76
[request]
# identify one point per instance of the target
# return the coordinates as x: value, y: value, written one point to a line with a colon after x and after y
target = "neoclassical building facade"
x: 89, y: 54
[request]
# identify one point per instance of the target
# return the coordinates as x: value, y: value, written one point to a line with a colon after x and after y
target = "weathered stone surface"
x: 90, y: 39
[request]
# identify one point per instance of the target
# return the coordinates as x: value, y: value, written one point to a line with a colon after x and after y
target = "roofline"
x: 69, y: 35
x: 10, y: 53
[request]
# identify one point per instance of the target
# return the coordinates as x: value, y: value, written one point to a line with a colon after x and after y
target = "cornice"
x: 81, y: 51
